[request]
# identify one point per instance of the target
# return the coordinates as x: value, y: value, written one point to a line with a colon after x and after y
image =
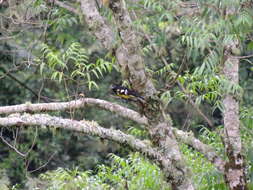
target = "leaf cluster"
x: 132, y: 173
x: 72, y: 64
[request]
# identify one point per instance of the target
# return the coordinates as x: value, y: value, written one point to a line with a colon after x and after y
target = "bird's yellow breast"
x: 124, y: 96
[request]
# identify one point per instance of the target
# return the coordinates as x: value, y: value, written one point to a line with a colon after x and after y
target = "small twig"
x: 15, y: 135
x: 43, y: 165
x: 34, y: 139
x: 9, y: 71
x: 7, y: 38
x: 178, y: 73
x: 242, y: 57
x: 186, y: 121
x: 11, y: 146
x: 24, y: 85
x: 210, y: 123
x: 40, y: 90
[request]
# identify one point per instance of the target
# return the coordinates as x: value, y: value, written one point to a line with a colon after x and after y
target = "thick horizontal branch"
x: 75, y: 104
x: 184, y: 137
x: 85, y: 127
x: 207, y: 151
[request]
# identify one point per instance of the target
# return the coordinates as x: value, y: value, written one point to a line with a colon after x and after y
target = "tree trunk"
x: 235, y: 166
x: 131, y: 62
x: 163, y: 136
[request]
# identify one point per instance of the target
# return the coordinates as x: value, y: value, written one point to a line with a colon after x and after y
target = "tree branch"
x: 86, y: 127
x: 120, y: 110
x: 25, y: 86
x: 207, y: 151
x: 12, y: 146
x: 75, y: 104
x: 210, y: 123
x: 128, y: 53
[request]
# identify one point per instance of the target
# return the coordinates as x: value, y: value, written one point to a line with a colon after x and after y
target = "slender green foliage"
x: 132, y: 173
x: 71, y: 64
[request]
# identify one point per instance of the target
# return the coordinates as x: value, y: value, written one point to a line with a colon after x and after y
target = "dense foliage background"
x: 48, y: 54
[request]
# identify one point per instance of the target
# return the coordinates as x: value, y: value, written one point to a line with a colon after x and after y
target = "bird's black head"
x: 114, y: 87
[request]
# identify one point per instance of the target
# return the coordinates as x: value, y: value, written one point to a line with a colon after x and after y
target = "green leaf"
x: 95, y: 73
x: 60, y: 76
x: 91, y: 84
x: 99, y: 70
x: 54, y: 75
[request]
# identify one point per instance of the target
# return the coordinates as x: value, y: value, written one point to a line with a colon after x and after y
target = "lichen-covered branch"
x: 90, y: 128
x: 75, y: 104
x: 162, y: 136
x: 86, y: 127
x: 207, y: 151
x: 118, y: 109
x: 131, y: 61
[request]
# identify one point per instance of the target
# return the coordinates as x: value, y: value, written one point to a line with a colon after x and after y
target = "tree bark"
x: 72, y: 105
x: 235, y: 167
x: 130, y: 59
x: 85, y: 127
x: 184, y: 137
x: 207, y: 151
x: 97, y: 24
x: 128, y: 52
x: 92, y: 128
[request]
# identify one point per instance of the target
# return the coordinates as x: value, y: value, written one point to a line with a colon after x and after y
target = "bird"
x: 126, y: 93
